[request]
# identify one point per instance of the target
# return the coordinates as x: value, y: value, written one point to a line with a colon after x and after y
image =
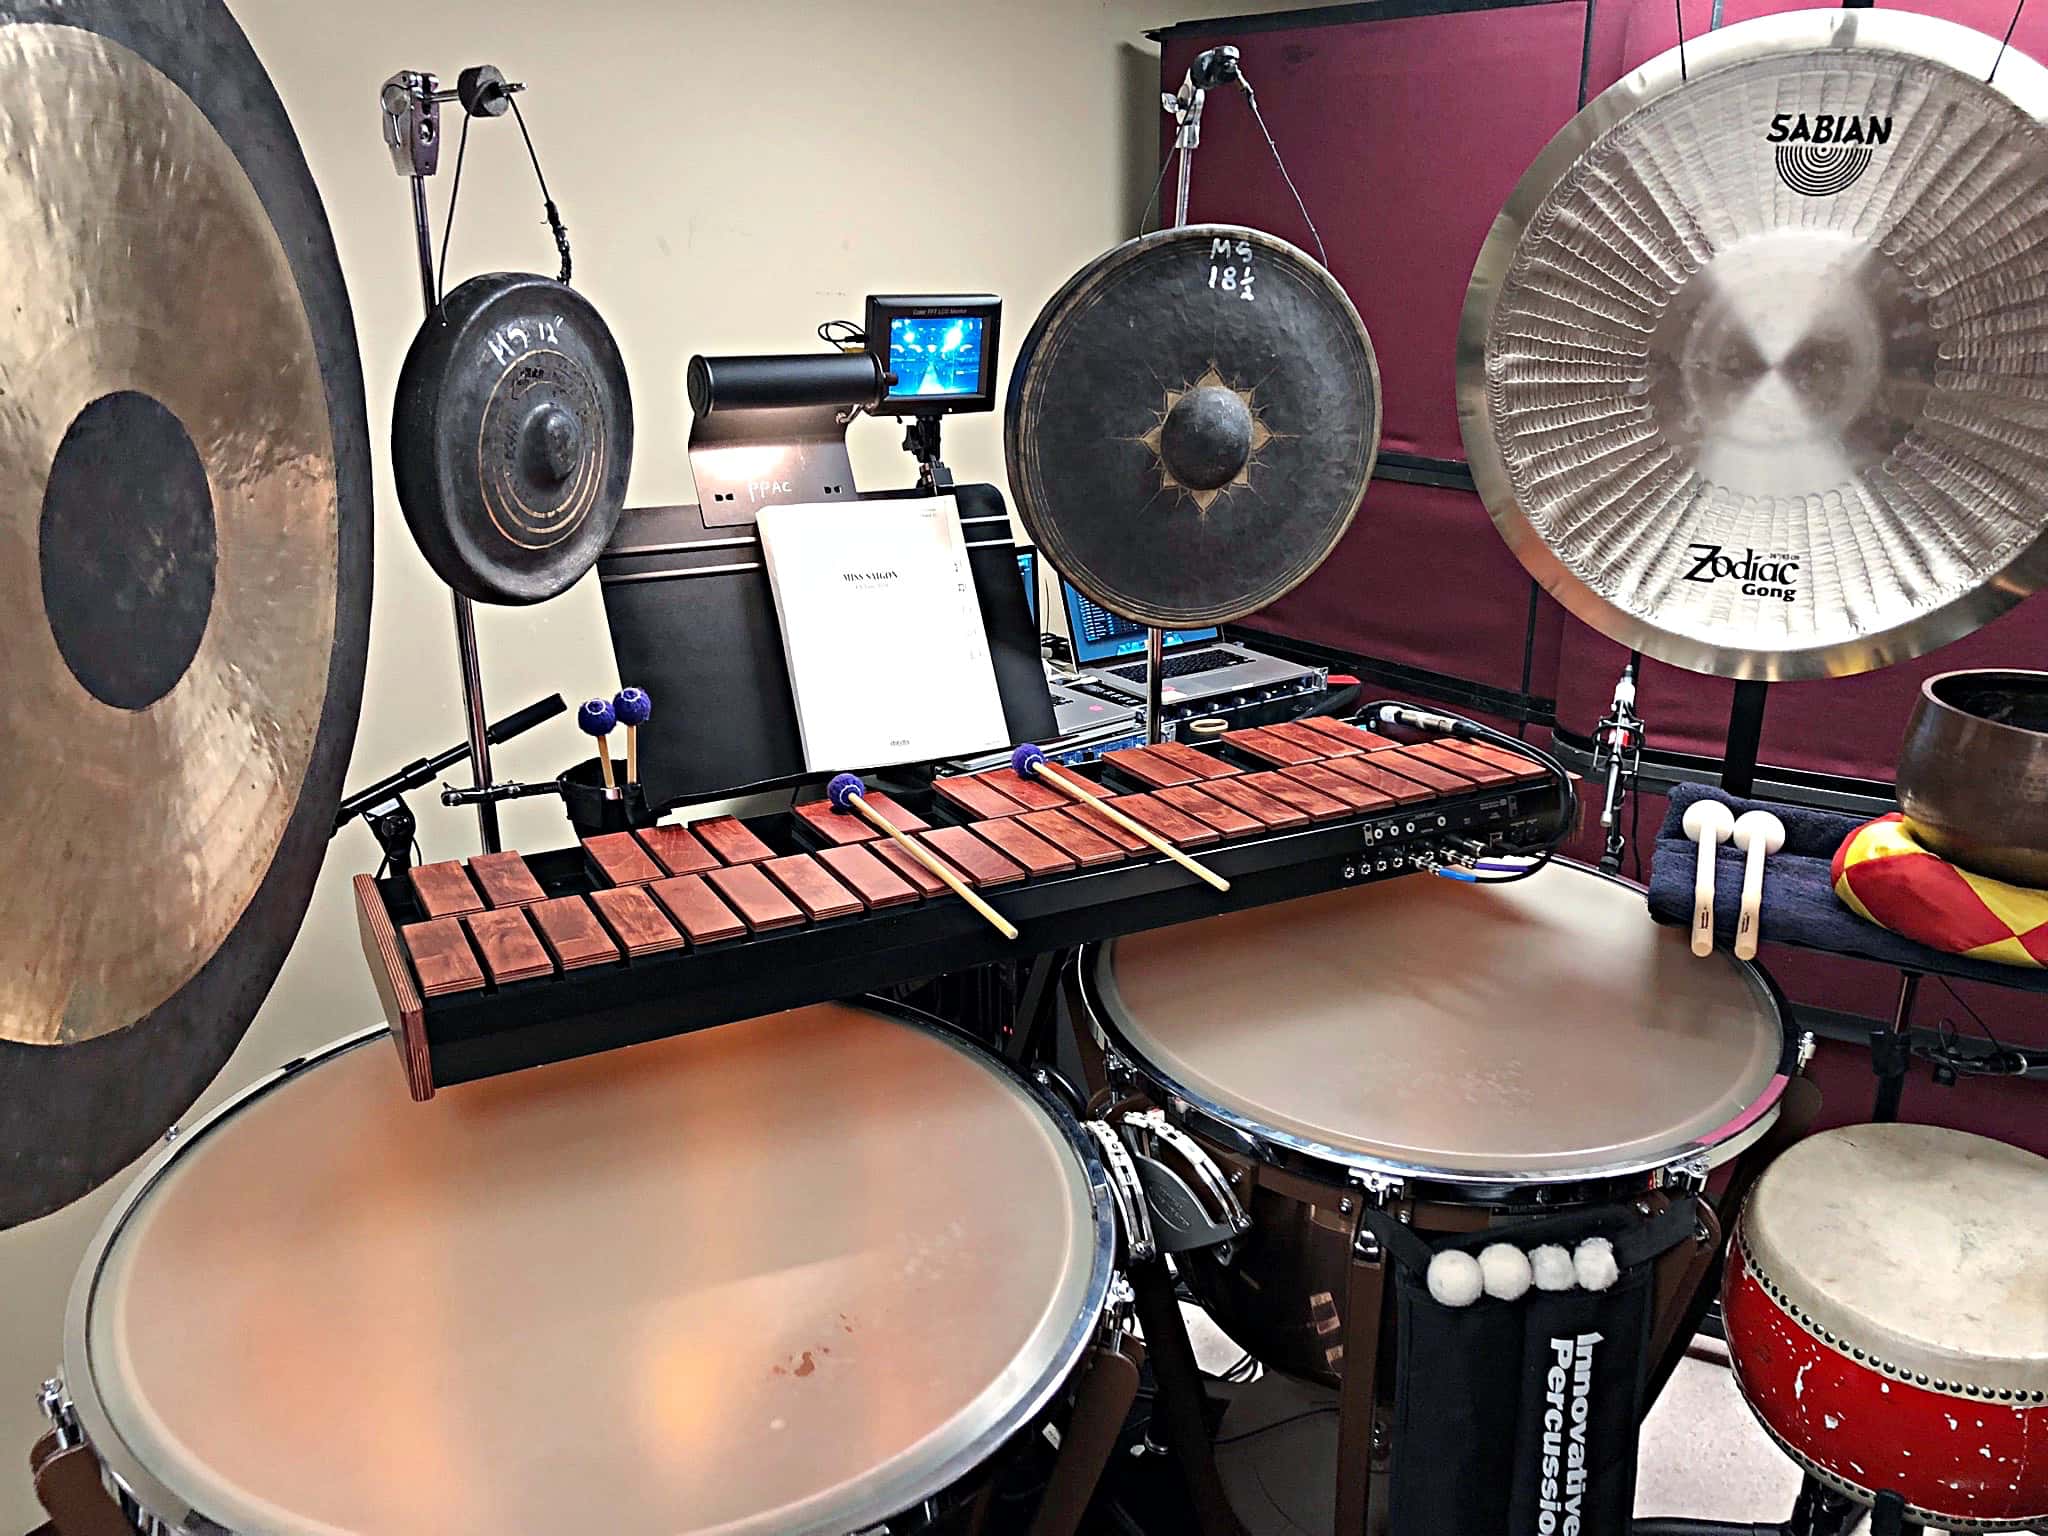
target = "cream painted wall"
x: 732, y: 172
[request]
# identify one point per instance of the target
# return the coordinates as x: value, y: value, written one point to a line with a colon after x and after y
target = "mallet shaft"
x: 1062, y: 782
x: 882, y: 824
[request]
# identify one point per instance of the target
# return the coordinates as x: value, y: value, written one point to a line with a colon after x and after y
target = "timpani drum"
x: 1886, y: 1305
x: 1481, y: 1052
x: 808, y: 1273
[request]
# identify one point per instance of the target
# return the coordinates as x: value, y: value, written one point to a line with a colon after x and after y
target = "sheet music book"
x: 867, y: 590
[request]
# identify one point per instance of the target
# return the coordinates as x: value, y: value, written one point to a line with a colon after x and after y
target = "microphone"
x: 1421, y: 719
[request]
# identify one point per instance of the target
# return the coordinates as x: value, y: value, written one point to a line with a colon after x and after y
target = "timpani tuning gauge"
x: 1192, y: 1204
x: 1747, y: 368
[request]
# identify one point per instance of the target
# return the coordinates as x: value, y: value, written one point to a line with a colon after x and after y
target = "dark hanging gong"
x: 1192, y: 424
x: 185, y: 473
x: 512, y: 437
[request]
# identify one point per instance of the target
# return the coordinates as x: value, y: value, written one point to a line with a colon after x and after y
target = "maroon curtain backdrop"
x: 1405, y: 134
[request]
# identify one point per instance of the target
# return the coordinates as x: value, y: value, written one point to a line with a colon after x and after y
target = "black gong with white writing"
x: 1192, y: 424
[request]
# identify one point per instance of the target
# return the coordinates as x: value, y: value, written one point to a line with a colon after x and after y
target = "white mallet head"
x: 1454, y: 1278
x: 1709, y: 823
x: 1757, y: 833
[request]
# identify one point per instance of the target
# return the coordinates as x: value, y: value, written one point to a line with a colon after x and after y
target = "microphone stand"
x: 1618, y: 746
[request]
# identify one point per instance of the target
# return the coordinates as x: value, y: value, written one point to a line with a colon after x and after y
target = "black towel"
x: 1800, y: 906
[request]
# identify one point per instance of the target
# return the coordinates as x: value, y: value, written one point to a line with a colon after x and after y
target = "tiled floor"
x: 1704, y: 1455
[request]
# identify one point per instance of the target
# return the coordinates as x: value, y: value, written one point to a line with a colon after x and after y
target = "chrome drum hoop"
x: 1683, y: 1167
x: 158, y: 1511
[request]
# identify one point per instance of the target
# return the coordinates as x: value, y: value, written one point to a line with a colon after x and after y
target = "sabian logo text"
x: 1822, y: 153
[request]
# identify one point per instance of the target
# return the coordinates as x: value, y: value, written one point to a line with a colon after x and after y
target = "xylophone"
x: 510, y: 960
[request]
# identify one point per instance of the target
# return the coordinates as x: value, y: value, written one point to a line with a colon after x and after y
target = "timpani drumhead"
x: 789, y: 1275
x: 1543, y: 1027
x: 1927, y: 1247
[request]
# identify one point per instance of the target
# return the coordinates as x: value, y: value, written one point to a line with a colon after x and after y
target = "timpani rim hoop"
x: 2013, y: 75
x: 147, y: 1492
x: 1574, y: 1185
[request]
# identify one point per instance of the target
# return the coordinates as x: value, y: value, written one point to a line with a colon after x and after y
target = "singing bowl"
x: 1973, y: 773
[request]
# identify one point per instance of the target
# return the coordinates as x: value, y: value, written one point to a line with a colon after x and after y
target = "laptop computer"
x: 1110, y: 651
x: 1075, y: 712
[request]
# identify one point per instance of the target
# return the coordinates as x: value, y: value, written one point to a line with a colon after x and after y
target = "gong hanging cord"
x: 2006, y: 42
x: 1251, y: 98
x: 561, y: 230
x: 448, y: 224
x: 554, y: 215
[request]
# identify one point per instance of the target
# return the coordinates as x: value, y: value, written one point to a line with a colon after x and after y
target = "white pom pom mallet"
x: 1551, y: 1265
x: 1708, y: 823
x: 1504, y: 1271
x: 1756, y: 833
x: 1594, y: 1264
x: 1454, y: 1279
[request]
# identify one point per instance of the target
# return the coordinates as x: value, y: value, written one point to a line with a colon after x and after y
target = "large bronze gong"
x: 185, y: 520
x: 1750, y: 372
x: 1192, y: 424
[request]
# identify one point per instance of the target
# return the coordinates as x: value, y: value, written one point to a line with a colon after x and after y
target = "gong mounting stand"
x: 1216, y: 66
x: 411, y: 102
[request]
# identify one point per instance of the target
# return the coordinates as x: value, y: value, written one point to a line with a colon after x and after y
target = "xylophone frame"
x: 474, y: 1034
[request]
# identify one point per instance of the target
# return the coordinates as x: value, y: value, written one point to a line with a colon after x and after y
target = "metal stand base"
x: 1179, y: 1402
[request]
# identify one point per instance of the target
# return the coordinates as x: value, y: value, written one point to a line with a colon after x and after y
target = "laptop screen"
x: 1101, y: 636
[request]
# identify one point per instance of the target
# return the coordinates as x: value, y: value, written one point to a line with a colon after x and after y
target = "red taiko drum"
x: 1887, y: 1316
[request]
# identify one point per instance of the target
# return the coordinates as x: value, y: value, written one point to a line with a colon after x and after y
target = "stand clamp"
x: 1618, y: 747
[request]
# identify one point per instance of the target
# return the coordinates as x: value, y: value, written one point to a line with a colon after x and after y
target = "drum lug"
x: 1688, y: 1177
x: 55, y: 1403
x: 1127, y: 1190
x: 1382, y: 1188
x: 1119, y: 1308
x: 1807, y: 1046
x: 1115, y: 1066
x: 1152, y: 1126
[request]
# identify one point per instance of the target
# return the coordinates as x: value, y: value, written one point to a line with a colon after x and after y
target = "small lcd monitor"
x: 1100, y: 635
x: 939, y: 352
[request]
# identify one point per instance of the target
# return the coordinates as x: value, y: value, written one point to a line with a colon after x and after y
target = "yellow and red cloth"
x: 1883, y: 873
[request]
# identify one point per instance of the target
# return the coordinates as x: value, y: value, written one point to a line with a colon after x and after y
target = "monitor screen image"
x: 936, y: 355
x: 1100, y: 635
x: 1027, y: 567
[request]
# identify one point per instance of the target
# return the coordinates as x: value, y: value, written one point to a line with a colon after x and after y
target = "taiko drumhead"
x: 1887, y: 1318
x: 793, y: 1275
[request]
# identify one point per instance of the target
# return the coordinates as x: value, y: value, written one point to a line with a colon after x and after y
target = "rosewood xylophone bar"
x: 1029, y: 762
x: 847, y: 792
